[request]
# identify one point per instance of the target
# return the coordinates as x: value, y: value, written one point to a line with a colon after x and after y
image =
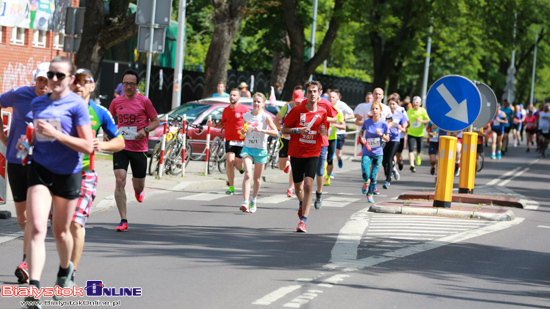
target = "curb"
x: 505, y: 216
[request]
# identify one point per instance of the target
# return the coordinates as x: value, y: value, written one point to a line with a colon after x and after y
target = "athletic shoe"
x: 370, y: 198
x: 376, y: 190
x: 493, y: 156
x: 244, y: 206
x: 287, y: 169
x: 327, y: 181
x: 386, y: 185
x: 140, y: 196
x: 340, y: 163
x: 457, y: 171
x: 528, y: 150
x: 400, y: 166
x: 252, y: 208
x: 365, y: 188
x: 241, y: 171
x: 418, y: 160
x: 432, y: 170
x: 230, y: 191
x: 22, y: 273
x: 301, y: 227
x: 396, y: 174
x: 331, y: 175
x: 123, y: 226
x: 65, y: 281
x: 318, y: 200
x: 289, y: 193
x: 413, y: 169
x: 33, y: 303
x: 499, y: 156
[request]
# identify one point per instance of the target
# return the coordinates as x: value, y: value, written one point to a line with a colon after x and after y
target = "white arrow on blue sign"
x: 453, y: 103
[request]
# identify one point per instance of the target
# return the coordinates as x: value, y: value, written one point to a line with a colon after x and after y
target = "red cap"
x: 298, y: 96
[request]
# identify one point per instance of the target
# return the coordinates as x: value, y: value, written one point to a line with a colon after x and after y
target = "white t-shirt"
x: 544, y: 122
x: 255, y: 139
x: 363, y: 110
x: 346, y: 110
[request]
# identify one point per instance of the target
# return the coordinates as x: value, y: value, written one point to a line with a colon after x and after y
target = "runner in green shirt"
x: 418, y: 118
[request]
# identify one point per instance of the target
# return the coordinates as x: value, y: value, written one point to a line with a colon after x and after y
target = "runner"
x: 341, y: 133
x: 100, y: 117
x: 530, y: 128
x: 136, y: 117
x: 233, y: 122
x: 334, y: 97
x: 373, y: 133
x: 259, y: 125
x: 497, y: 130
x: 284, y: 160
x: 62, y: 131
x: 20, y: 100
x: 434, y: 132
x: 306, y: 123
x: 399, y: 125
x: 458, y: 152
x: 507, y: 126
x: 362, y: 110
x: 221, y: 91
x: 415, y: 133
x: 543, y: 124
x: 517, y: 123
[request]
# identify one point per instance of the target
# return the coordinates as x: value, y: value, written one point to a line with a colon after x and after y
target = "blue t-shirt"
x: 373, y: 139
x: 509, y: 115
x: 223, y: 95
x: 20, y: 100
x: 498, y: 126
x: 397, y: 118
x: 66, y: 114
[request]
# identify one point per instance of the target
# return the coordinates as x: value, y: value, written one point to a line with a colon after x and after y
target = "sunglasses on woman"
x: 60, y: 76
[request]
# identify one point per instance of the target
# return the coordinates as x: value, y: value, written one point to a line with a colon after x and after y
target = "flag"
x: 272, y: 97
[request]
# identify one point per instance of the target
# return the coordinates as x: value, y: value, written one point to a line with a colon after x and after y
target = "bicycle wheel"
x: 221, y: 158
x: 173, y: 163
x: 188, y: 152
x: 155, y: 160
x: 275, y: 154
x: 213, y: 156
x: 480, y: 162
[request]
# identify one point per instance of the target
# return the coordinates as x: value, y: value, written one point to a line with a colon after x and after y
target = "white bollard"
x: 183, y: 154
x: 207, y: 152
x: 162, y: 149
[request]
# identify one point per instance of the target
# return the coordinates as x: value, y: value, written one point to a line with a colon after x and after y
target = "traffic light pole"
x: 150, y: 53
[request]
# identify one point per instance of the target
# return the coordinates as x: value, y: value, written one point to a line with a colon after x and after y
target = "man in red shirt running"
x: 306, y: 124
x: 232, y: 121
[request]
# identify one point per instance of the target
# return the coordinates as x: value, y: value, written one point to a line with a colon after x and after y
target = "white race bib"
x: 373, y: 142
x: 128, y: 133
x: 415, y: 124
x: 436, y: 135
x: 236, y: 143
x: 55, y: 122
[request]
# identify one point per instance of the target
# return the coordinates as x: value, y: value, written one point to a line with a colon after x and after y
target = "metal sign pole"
x: 73, y: 30
x: 180, y: 56
x: 150, y: 54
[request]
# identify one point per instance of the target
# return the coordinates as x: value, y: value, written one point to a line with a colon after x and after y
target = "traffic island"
x: 457, y: 209
x: 467, y: 198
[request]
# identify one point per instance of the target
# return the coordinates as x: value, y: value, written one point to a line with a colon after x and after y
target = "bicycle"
x: 273, y: 145
x: 173, y: 151
x: 217, y: 155
x: 480, y: 162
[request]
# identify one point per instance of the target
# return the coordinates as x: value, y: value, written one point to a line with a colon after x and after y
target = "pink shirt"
x: 133, y: 115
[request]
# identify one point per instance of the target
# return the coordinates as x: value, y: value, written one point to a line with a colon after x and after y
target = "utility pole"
x: 427, y: 63
x: 180, y: 54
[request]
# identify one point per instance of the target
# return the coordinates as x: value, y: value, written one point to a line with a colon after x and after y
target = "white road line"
x: 9, y: 237
x: 339, y: 202
x: 544, y: 227
x: 273, y: 199
x: 514, y: 176
x: 202, y: 197
x: 494, y: 181
x: 276, y: 295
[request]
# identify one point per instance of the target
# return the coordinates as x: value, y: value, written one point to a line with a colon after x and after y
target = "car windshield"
x: 192, y: 110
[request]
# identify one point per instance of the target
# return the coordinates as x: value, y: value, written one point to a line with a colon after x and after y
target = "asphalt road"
x: 196, y: 249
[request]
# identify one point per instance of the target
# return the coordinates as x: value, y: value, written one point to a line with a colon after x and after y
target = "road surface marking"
x: 202, y: 197
x: 494, y: 181
x: 276, y: 295
x: 337, y: 201
x: 514, y: 176
x: 273, y: 199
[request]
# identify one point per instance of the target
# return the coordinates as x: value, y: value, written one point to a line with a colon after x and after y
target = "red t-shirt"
x: 309, y: 145
x: 232, y: 118
x: 331, y: 112
x: 133, y: 115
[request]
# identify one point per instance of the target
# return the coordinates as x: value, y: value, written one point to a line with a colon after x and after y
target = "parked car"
x: 197, y: 113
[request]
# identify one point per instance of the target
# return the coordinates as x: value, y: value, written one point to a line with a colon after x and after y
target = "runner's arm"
x: 273, y: 132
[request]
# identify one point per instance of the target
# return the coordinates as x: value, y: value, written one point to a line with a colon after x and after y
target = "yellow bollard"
x: 445, y: 172
x: 468, y: 164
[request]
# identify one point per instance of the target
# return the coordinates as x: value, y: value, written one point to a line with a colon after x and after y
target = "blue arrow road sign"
x: 453, y: 103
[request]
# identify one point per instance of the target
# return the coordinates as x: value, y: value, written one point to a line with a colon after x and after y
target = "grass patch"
x: 102, y: 156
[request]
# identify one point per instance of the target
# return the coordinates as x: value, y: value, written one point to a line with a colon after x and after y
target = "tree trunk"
x: 299, y: 70
x: 228, y: 18
x: 103, y: 32
x: 281, y: 64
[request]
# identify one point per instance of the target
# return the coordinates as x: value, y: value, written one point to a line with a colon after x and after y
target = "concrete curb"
x: 506, y: 216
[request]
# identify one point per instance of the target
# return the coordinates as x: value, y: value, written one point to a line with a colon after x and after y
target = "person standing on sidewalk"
x: 259, y: 126
x: 418, y: 118
x: 284, y: 161
x: 233, y: 122
x: 19, y: 99
x: 221, y: 91
x: 62, y: 131
x: 306, y: 123
x: 136, y: 116
x: 100, y: 117
x: 374, y: 130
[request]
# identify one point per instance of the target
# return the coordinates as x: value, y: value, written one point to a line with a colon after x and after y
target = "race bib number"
x: 415, y: 124
x: 236, y: 143
x: 55, y: 122
x: 128, y: 133
x: 252, y: 142
x: 373, y: 142
x: 436, y: 135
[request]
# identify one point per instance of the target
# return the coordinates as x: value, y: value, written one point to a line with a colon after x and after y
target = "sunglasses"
x: 82, y: 81
x: 60, y: 76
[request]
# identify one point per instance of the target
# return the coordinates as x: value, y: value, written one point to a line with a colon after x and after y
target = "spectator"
x: 243, y: 91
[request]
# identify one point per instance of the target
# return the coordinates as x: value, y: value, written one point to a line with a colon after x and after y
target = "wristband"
x: 296, y: 130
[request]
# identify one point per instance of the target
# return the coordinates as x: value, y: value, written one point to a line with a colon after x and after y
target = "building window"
x: 39, y: 38
x: 58, y: 40
x: 17, y: 36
